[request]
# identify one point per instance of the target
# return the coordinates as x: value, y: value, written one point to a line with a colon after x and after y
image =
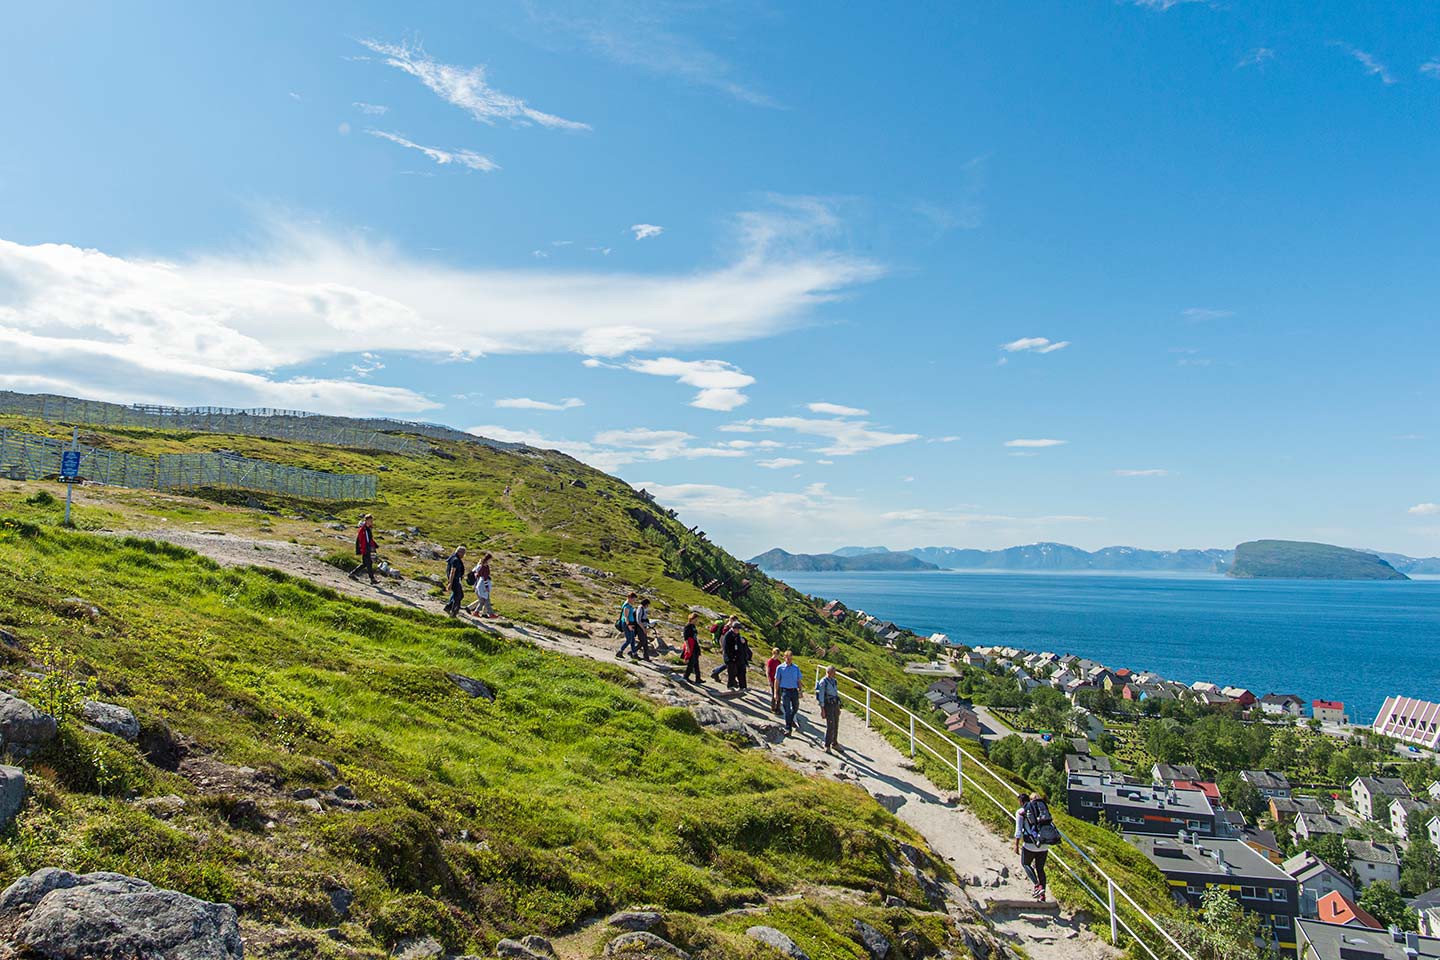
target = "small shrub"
x: 93, y: 763
x: 398, y: 843
x: 60, y: 690
x: 341, y: 559
x: 678, y: 718
x: 416, y: 915
x: 41, y: 499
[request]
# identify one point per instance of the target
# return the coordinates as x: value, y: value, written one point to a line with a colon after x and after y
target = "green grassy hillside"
x: 1298, y: 560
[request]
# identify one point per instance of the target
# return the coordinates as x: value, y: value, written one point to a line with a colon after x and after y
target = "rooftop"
x: 1305, y: 865
x: 1372, y: 852
x: 1333, y: 941
x: 1327, y: 704
x: 1389, y: 786
x: 1266, y: 779
x: 1210, y: 857
x: 1335, y: 907
x: 1118, y: 793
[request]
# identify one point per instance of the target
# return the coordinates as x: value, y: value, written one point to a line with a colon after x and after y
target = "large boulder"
x: 23, y: 727
x: 728, y: 723
x: 639, y: 945
x: 12, y: 793
x: 636, y: 919
x: 529, y: 947
x: 108, y: 916
x: 472, y: 687
x: 111, y: 718
x: 876, y: 944
x: 774, y: 938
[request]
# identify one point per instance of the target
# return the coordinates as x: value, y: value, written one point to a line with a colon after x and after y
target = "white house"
x: 1371, y: 796
x: 1432, y: 827
x: 1401, y: 810
x: 1317, y: 878
x: 1311, y: 825
x: 1372, y: 862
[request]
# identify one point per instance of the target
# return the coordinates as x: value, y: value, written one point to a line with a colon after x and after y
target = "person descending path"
x: 690, y: 652
x: 1035, y: 834
x: 642, y: 627
x: 455, y: 582
x: 626, y: 625
x: 771, y: 666
x: 721, y: 631
x: 827, y: 692
x: 746, y: 656
x: 480, y: 576
x: 365, y: 548
x: 787, y: 679
x: 733, y: 645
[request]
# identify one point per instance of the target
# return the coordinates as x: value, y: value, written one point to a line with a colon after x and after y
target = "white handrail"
x: 1112, y: 888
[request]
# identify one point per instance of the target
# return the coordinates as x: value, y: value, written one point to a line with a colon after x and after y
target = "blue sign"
x: 70, y: 465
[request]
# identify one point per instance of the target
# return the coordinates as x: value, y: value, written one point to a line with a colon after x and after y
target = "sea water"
x: 1353, y: 641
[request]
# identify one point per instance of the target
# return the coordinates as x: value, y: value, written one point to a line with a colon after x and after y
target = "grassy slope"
x: 569, y: 795
x: 1297, y: 559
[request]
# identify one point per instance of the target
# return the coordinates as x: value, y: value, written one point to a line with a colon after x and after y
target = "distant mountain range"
x: 1293, y: 559
x: 1046, y: 556
x: 779, y: 561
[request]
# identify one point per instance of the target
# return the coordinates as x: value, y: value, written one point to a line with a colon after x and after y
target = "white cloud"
x: 845, y: 437
x: 366, y: 365
x: 370, y: 109
x: 779, y: 463
x: 1035, y: 443
x: 1142, y: 473
x: 466, y: 88
x: 644, y: 231
x: 305, y: 296
x: 719, y: 382
x: 1425, y: 510
x: 1163, y: 5
x: 1255, y: 58
x: 525, y: 403
x: 837, y: 410
x: 1431, y: 67
x: 949, y: 439
x: 463, y: 158
x: 1373, y: 67
x: 612, y: 449
x: 1205, y: 313
x: 1034, y: 344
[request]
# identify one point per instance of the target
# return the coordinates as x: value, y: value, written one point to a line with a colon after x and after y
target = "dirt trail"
x: 985, y: 862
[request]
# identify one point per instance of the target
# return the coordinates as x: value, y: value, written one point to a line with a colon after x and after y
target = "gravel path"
x: 985, y: 862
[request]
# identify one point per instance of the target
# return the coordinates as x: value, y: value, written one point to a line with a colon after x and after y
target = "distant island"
x: 1309, y: 561
x: 1298, y: 560
x: 780, y: 561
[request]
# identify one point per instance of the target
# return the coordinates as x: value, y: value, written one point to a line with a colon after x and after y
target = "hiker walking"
x: 787, y: 679
x: 365, y: 548
x: 827, y: 692
x: 480, y: 577
x: 1035, y: 834
x: 746, y: 657
x: 626, y: 625
x: 690, y: 652
x: 642, y: 627
x: 455, y: 582
x: 734, y: 657
x: 721, y: 631
x: 771, y: 665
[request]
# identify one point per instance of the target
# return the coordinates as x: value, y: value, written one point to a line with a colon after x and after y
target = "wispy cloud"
x: 779, y: 463
x: 647, y: 37
x: 1034, y: 345
x: 1431, y: 67
x: 836, y: 410
x: 1142, y: 473
x: 719, y: 382
x: 1162, y: 5
x: 613, y: 449
x: 842, y: 437
x: 1035, y: 443
x: 644, y: 231
x: 1373, y: 67
x: 210, y: 329
x: 464, y: 158
x: 1425, y: 510
x: 466, y: 88
x: 1199, y: 314
x: 366, y: 365
x: 1255, y: 58
x: 525, y: 403
x: 370, y: 109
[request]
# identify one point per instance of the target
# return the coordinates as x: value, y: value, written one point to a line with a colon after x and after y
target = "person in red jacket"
x: 690, y: 652
x: 771, y: 666
x: 365, y: 548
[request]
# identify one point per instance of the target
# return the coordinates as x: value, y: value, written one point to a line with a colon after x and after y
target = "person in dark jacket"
x: 365, y: 548
x: 455, y: 582
x: 746, y: 656
x: 733, y: 645
x: 721, y: 630
x: 690, y: 652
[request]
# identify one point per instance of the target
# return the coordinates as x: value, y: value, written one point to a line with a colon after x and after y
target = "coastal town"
x: 1325, y: 829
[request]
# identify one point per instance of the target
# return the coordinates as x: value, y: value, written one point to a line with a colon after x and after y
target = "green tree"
x: 1385, y: 904
x: 1284, y: 749
x: 1242, y: 795
x: 1223, y: 930
x: 1341, y: 769
x: 1420, y: 868
x: 1329, y: 847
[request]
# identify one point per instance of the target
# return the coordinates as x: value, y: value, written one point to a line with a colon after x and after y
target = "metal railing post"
x: 867, y: 707
x: 1114, y: 925
x: 912, y: 735
x: 959, y: 771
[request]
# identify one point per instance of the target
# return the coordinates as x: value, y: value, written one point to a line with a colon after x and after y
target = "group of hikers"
x: 456, y: 576
x: 781, y: 672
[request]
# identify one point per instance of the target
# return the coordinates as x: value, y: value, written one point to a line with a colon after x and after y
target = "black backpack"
x: 1039, y: 825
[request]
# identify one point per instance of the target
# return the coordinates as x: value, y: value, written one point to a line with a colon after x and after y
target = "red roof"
x: 1123, y: 672
x: 1328, y: 704
x: 1204, y: 786
x: 1335, y: 907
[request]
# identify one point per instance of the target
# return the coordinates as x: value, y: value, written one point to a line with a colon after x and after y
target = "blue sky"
x: 1154, y: 273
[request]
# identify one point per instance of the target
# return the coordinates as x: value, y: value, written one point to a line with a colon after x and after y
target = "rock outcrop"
x: 59, y: 915
x: 779, y: 941
x: 24, y: 728
x: 12, y: 793
x: 111, y: 718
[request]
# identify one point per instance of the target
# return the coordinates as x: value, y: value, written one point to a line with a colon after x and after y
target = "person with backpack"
x: 626, y: 625
x: 721, y: 630
x: 455, y: 582
x: 1035, y: 834
x: 734, y: 647
x: 642, y: 627
x: 480, y: 577
x: 365, y: 548
x: 827, y: 692
x: 690, y: 652
x: 771, y: 666
x: 787, y: 678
